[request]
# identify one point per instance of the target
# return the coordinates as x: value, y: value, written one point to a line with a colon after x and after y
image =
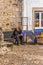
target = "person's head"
x: 15, y: 29
x: 19, y: 28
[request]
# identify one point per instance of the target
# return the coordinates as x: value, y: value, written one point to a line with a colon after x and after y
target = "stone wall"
x: 9, y: 12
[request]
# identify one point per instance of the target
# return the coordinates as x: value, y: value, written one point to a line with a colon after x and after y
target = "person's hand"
x: 21, y: 35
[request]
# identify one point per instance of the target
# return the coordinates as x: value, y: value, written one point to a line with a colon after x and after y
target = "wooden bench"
x: 7, y: 36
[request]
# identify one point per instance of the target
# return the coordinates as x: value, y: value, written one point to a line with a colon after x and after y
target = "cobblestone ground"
x: 23, y: 55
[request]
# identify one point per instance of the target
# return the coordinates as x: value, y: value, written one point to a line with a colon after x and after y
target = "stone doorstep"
x: 6, y: 44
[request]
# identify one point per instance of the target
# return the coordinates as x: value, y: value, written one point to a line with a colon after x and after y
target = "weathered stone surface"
x: 9, y: 9
x: 23, y: 55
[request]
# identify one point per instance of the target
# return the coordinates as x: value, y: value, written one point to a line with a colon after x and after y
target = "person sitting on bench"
x: 20, y: 35
x: 15, y: 35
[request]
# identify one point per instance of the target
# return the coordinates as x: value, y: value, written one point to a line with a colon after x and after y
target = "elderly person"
x: 19, y: 29
x: 17, y: 34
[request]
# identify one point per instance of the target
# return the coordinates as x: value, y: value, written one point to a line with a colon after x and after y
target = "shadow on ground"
x: 32, y: 43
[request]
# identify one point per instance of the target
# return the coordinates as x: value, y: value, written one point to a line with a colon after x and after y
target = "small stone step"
x: 6, y: 44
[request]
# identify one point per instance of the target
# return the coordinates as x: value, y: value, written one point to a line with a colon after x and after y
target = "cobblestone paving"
x: 23, y: 55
